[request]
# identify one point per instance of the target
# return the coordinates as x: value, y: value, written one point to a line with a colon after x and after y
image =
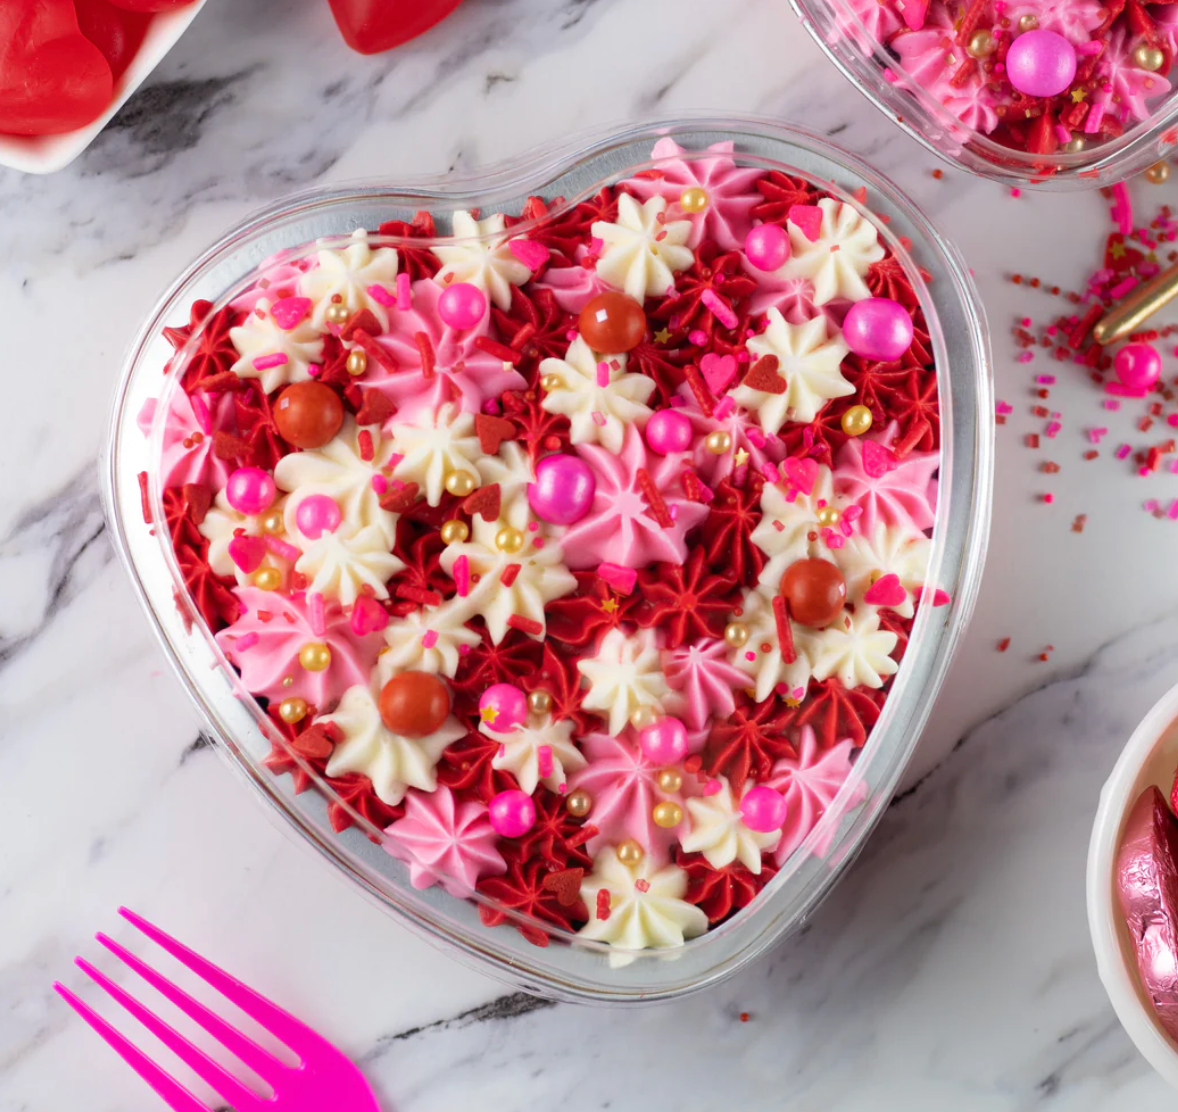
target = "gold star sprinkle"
x: 662, y: 335
x: 1117, y: 250
x: 488, y: 714
x: 1078, y: 95
x: 742, y: 457
x: 790, y: 701
x: 610, y: 605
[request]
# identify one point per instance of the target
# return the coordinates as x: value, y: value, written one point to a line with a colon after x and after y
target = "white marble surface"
x: 952, y: 967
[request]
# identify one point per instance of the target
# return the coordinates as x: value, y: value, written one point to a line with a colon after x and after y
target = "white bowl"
x: 1150, y: 758
x: 43, y: 154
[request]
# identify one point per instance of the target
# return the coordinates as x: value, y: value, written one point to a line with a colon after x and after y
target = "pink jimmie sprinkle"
x: 1122, y: 210
x: 1095, y: 436
x: 1151, y: 505
x: 598, y: 418
x: 1122, y: 391
x: 698, y: 338
x: 1053, y: 429
x: 429, y: 638
x: 603, y: 374
x: 756, y: 437
x: 769, y: 470
x: 1172, y: 420
x: 711, y: 787
x: 381, y: 295
x: 245, y: 641
x: 265, y: 362
x: 723, y: 407
x: 1045, y: 380
x: 1123, y: 451
x: 1026, y: 356
x: 1003, y: 409
x: 380, y: 484
x: 404, y: 293
x: 1111, y: 403
x: 1123, y: 287
x: 532, y: 254
x: 315, y: 612
x: 1062, y: 134
x: 641, y: 884
x: 1172, y: 512
x: 544, y: 761
x: 462, y: 575
x: 201, y: 412
x: 622, y: 580
x: 282, y: 549
x: 1093, y: 46
x: 721, y: 311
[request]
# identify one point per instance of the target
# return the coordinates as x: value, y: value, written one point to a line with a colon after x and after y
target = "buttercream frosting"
x: 483, y: 258
x: 347, y: 273
x: 642, y: 249
x: 717, y: 830
x: 624, y: 674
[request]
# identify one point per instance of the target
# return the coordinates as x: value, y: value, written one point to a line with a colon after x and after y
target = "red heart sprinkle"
x: 763, y: 376
x: 532, y: 254
x: 808, y: 218
x: 247, y: 553
x: 566, y: 884
x: 492, y: 431
x: 368, y: 616
x: 878, y: 460
x: 485, y: 502
x: 886, y: 591
x: 376, y: 410
x: 801, y: 473
x: 399, y: 500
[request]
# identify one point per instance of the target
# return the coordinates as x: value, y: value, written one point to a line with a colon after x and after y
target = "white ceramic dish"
x: 1150, y: 758
x: 45, y: 154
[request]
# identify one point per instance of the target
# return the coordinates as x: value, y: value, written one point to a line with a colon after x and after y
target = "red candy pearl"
x: 308, y: 414
x: 815, y: 591
x: 414, y: 704
x: 612, y: 322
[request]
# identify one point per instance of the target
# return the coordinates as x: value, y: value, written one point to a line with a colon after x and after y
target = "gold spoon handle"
x: 1142, y: 303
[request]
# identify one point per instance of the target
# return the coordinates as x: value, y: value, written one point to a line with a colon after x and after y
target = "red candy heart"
x: 376, y: 410
x: 288, y: 311
x: 52, y: 78
x: 492, y: 431
x: 484, y: 501
x: 886, y: 591
x: 368, y: 616
x: 247, y: 553
x: 399, y: 500
x: 370, y: 26
x: 763, y: 376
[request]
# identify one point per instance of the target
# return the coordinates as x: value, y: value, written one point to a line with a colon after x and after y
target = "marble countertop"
x: 951, y: 968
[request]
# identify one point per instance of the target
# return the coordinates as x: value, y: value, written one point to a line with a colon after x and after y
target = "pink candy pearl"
x: 665, y: 742
x: 250, y: 490
x: 878, y: 328
x: 767, y: 246
x: 1041, y: 63
x: 508, y: 702
x: 763, y: 809
x: 462, y: 305
x: 668, y: 431
x: 317, y: 514
x: 512, y: 814
x: 563, y: 490
x: 1138, y: 366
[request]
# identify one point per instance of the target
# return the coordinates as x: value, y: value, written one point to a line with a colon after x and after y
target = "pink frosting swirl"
x: 187, y: 455
x: 703, y: 680
x: 727, y: 218
x: 264, y: 644
x: 742, y: 426
x: 889, y: 491
x: 1074, y: 19
x: 573, y: 286
x: 461, y: 370
x: 445, y: 842
x: 1132, y: 87
x: 621, y: 526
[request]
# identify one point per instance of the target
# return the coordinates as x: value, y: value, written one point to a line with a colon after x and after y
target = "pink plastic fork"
x: 323, y: 1079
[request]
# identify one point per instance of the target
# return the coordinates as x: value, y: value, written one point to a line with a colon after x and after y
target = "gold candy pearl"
x: 857, y: 420
x: 357, y: 362
x: 461, y: 483
x: 670, y: 780
x: 1148, y: 57
x: 579, y: 803
x: 736, y: 635
x: 288, y: 681
x: 1158, y: 173
x: 1028, y: 22
x: 630, y: 852
x: 1074, y: 146
x: 455, y: 532
x: 509, y: 540
x: 982, y: 44
x: 644, y: 717
x: 315, y: 656
x: 668, y: 814
x: 551, y: 382
x: 828, y: 517
x: 272, y: 523
x: 693, y: 199
x: 337, y: 313
x: 292, y: 710
x: 718, y: 442
x: 268, y: 579
x: 539, y: 702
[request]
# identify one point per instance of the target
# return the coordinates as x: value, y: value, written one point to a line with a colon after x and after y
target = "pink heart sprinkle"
x: 718, y: 371
x: 886, y: 591
x: 247, y: 553
x: 289, y: 311
x: 807, y: 219
x: 878, y: 460
x: 368, y: 616
x: 532, y: 254
x: 801, y: 472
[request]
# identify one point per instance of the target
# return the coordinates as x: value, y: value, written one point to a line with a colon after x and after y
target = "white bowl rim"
x: 1118, y: 976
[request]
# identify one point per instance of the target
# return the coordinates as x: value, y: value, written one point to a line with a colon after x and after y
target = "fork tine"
x: 259, y: 1060
x: 167, y: 1087
x: 213, y: 1073
x: 282, y: 1025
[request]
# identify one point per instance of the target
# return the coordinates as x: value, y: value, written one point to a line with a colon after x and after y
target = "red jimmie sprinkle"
x: 499, y: 351
x: 654, y: 499
x: 785, y: 636
x: 1004, y: 644
x: 699, y: 388
x: 603, y: 904
x: 509, y: 574
x: 587, y: 832
x: 364, y: 440
x: 525, y: 625
x: 416, y: 594
x: 426, y: 349
x: 143, y: 498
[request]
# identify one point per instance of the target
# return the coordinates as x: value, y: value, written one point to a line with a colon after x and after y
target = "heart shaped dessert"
x: 556, y: 551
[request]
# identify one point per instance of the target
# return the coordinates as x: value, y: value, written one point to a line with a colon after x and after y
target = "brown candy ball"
x: 414, y: 704
x: 308, y: 414
x: 612, y: 323
x: 815, y: 592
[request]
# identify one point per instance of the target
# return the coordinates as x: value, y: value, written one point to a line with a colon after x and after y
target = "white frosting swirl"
x: 626, y: 673
x: 221, y: 524
x: 767, y: 667
x: 642, y: 250
x: 838, y: 260
x: 890, y: 550
x: 486, y: 262
x: 260, y: 337
x: 512, y: 469
x: 719, y: 833
x: 519, y: 752
x: 341, y: 564
x: 405, y: 640
x: 347, y: 273
x: 785, y: 528
x: 855, y: 649
x: 443, y: 442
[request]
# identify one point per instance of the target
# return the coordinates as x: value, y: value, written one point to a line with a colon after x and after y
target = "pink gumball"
x: 317, y: 514
x: 668, y: 431
x: 502, y: 707
x: 767, y: 246
x: 462, y: 305
x: 763, y: 809
x: 512, y: 814
x: 1041, y: 63
x: 878, y: 328
x: 665, y: 742
x: 563, y: 490
x: 250, y: 490
x: 1138, y: 366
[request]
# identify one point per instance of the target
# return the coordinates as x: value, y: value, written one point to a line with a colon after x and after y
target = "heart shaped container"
x: 569, y: 967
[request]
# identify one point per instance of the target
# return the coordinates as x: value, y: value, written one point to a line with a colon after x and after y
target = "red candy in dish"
x: 371, y: 26
x: 115, y: 30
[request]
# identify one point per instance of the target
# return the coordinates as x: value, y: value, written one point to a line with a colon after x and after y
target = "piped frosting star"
x: 344, y: 563
x: 719, y: 833
x: 431, y: 639
x: 275, y: 356
x: 539, y: 751
x: 348, y: 273
x: 434, y: 446
x: 900, y: 493
x: 788, y: 530
x: 855, y: 649
x: 838, y: 260
x: 642, y: 249
x: 623, y: 675
x: 702, y: 681
x: 483, y: 258
x: 761, y: 657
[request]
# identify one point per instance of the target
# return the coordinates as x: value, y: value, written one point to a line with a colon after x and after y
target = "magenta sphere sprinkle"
x: 1041, y: 63
x: 763, y: 809
x: 512, y: 814
x: 665, y: 742
x: 502, y: 707
x: 767, y: 246
x: 563, y: 490
x: 462, y: 305
x: 1138, y: 366
x: 878, y: 328
x: 250, y: 490
x: 668, y: 431
x: 317, y: 514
